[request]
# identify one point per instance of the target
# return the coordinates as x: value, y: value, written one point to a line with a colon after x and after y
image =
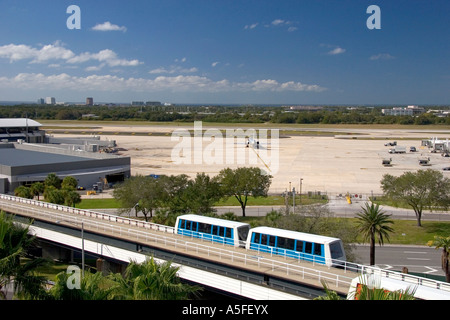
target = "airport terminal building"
x: 23, y: 164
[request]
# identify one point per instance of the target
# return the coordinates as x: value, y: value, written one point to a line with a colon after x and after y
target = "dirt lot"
x: 346, y: 160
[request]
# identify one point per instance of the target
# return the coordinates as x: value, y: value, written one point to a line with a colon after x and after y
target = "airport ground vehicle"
x: 213, y: 229
x: 397, y: 149
x: 298, y: 245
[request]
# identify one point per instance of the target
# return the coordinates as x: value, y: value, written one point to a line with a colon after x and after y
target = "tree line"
x: 55, y: 190
x: 163, y: 198
x: 225, y: 114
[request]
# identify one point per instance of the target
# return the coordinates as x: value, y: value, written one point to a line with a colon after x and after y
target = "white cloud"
x: 107, y: 26
x: 173, y: 69
x: 179, y: 83
x: 251, y: 26
x: 24, y: 52
x: 277, y: 22
x: 56, y: 52
x: 214, y: 64
x: 336, y: 51
x: 382, y: 56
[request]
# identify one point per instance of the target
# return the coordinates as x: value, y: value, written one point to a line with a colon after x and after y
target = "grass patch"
x: 408, y: 233
x: 111, y: 203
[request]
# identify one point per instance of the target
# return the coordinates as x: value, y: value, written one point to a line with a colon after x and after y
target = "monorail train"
x: 298, y: 245
x: 213, y: 229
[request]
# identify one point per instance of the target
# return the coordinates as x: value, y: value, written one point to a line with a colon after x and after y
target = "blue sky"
x: 225, y: 51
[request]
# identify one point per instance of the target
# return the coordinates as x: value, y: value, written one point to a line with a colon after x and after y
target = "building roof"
x: 12, y: 157
x: 18, y: 123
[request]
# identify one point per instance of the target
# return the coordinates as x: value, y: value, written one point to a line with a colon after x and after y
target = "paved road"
x: 419, y: 259
x: 341, y: 208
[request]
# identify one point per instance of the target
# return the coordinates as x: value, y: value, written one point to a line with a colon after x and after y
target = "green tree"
x: 54, y: 195
x: 14, y: 243
x: 37, y: 188
x: 202, y: 193
x: 420, y: 190
x: 69, y: 182
x: 52, y: 180
x: 243, y: 182
x: 23, y: 192
x: 71, y: 197
x: 373, y: 223
x: 139, y: 193
x: 444, y: 243
x: 151, y: 281
x: 93, y: 286
x: 174, y: 195
x: 370, y: 289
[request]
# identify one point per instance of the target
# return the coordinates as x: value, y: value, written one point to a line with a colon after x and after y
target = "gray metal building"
x: 23, y: 164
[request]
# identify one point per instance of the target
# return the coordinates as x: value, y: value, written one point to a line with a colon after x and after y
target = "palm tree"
x: 444, y: 243
x: 93, y: 286
x: 14, y: 243
x: 151, y: 281
x: 370, y: 289
x: 372, y: 223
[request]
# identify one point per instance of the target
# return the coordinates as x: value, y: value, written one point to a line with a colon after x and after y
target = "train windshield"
x: 336, y: 250
x: 243, y: 232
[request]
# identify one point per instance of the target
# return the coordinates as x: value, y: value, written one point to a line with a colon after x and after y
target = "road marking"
x: 414, y: 252
x: 431, y: 270
x: 418, y: 259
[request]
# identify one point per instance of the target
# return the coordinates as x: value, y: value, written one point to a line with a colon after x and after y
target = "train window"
x: 215, y: 230
x: 228, y: 233
x: 264, y: 239
x: 336, y: 250
x: 281, y: 242
x: 222, y: 231
x: 204, y: 227
x: 290, y: 244
x: 243, y: 233
x: 318, y: 249
x: 272, y: 240
x: 308, y: 247
x: 256, y: 237
x: 299, y: 246
x: 182, y: 224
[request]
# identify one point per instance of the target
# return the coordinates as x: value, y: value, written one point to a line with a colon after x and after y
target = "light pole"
x: 300, y: 191
x: 82, y: 242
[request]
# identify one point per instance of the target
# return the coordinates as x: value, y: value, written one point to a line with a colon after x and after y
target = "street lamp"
x: 300, y: 191
x: 82, y: 242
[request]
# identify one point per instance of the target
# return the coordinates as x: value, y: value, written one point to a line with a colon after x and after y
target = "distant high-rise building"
x: 50, y: 100
x: 40, y: 101
x: 89, y: 101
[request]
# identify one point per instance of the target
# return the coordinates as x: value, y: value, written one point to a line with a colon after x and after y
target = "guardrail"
x: 131, y: 230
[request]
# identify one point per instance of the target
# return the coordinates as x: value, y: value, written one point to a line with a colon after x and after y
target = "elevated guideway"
x: 246, y: 273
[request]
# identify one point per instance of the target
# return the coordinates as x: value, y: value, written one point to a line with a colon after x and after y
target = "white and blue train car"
x: 298, y: 245
x: 212, y: 229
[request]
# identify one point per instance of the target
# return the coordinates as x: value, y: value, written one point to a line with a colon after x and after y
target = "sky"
x: 227, y: 51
